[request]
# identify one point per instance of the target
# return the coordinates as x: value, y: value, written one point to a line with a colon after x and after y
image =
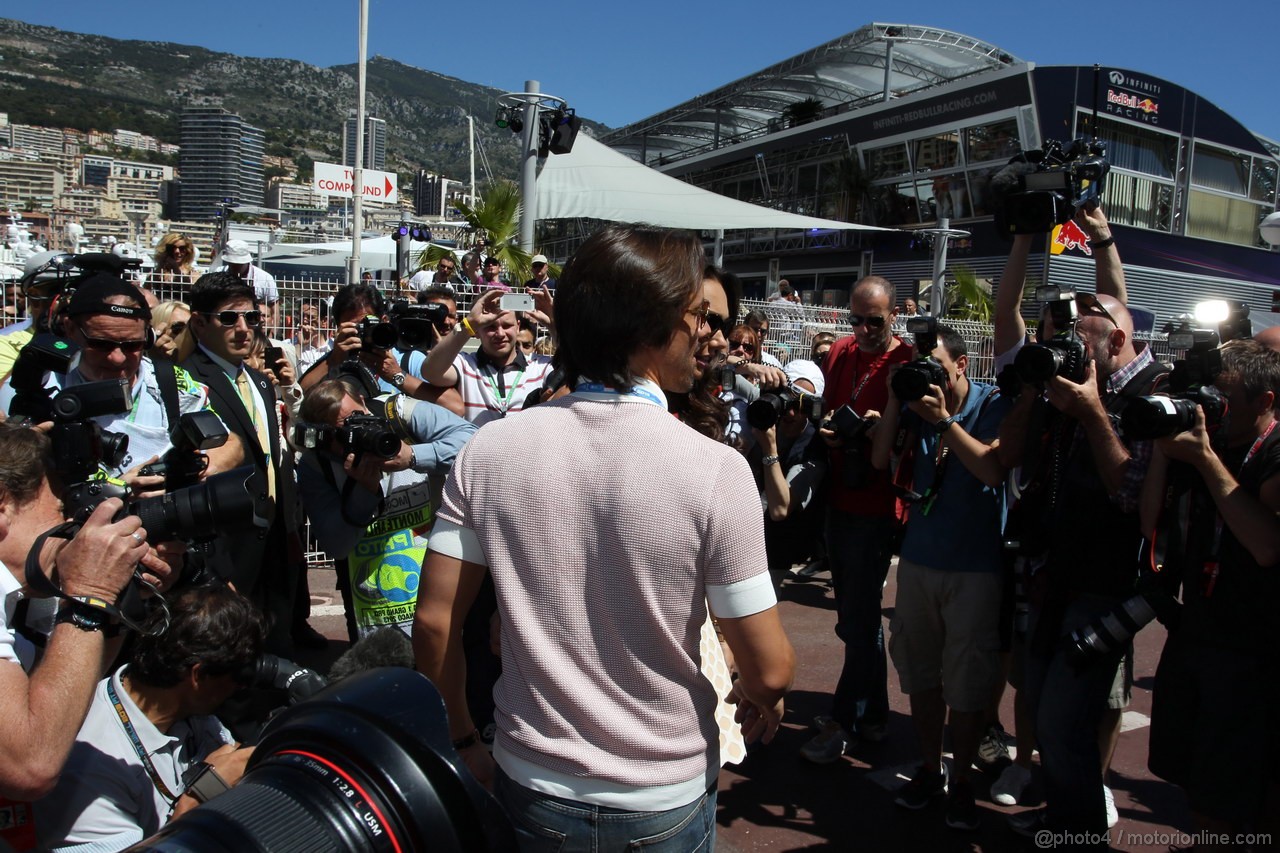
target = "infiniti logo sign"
x: 1117, y: 78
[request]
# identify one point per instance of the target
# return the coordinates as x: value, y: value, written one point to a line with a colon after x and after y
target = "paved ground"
x: 777, y: 801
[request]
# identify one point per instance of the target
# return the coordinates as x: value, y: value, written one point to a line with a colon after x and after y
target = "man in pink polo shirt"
x: 606, y: 732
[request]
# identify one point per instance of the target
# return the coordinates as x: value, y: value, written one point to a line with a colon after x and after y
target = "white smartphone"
x: 515, y: 302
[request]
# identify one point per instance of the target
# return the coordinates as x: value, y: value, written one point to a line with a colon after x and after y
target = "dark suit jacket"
x: 242, y: 553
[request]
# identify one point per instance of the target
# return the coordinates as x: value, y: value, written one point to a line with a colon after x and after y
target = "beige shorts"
x: 945, y: 633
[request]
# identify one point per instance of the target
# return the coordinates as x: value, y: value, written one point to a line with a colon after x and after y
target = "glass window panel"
x: 888, y: 162
x: 807, y: 180
x: 945, y: 195
x: 941, y: 151
x: 1216, y: 169
x: 995, y: 141
x: 896, y: 204
x: 1230, y: 220
x: 1263, y: 185
x: 1134, y: 148
x: 1133, y: 200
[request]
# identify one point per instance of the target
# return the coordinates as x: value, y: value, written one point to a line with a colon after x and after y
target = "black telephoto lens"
x: 364, y: 765
x: 1157, y: 417
x: 764, y: 413
x: 197, y: 513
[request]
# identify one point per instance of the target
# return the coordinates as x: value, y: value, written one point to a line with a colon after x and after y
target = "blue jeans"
x: 557, y: 825
x: 1067, y: 705
x: 859, y: 549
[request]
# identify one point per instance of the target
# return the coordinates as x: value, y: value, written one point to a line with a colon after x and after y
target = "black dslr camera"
x: 1063, y: 354
x: 1190, y: 385
x: 358, y: 434
x: 416, y: 325
x: 911, y: 381
x: 1046, y: 187
x: 183, y: 464
x: 376, y: 334
x: 852, y: 428
x: 764, y: 412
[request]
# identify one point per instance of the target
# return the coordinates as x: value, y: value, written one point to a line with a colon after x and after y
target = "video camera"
x: 409, y: 326
x: 358, y: 434
x: 183, y: 464
x: 1047, y: 186
x: 1063, y: 354
x: 764, y: 412
x: 911, y: 381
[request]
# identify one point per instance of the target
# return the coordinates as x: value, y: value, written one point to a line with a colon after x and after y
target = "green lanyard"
x: 504, y: 400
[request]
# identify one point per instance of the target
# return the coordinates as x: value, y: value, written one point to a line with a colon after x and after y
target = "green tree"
x: 968, y: 297
x: 846, y: 177
x: 496, y: 220
x: 803, y: 112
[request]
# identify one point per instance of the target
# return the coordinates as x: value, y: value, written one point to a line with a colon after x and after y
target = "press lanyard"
x: 504, y: 398
x: 636, y: 392
x: 159, y: 784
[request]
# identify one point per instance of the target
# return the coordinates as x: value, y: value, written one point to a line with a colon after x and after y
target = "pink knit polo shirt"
x: 606, y: 524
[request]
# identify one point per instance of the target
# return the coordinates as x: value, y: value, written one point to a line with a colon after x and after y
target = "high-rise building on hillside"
x: 221, y: 158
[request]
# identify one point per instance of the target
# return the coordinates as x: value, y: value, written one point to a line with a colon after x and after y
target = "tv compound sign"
x: 332, y: 179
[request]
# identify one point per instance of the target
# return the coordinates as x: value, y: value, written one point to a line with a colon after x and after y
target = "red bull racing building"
x: 900, y: 125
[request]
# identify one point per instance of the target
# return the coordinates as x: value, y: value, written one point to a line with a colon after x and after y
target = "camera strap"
x: 167, y: 381
x: 40, y: 584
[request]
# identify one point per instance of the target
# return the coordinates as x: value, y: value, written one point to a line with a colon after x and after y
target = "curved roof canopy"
x: 842, y: 74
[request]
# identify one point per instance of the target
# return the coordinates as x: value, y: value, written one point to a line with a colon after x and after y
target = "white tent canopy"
x: 596, y: 182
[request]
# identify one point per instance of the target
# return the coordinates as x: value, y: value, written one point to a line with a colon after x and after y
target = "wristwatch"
x: 398, y: 380
x: 206, y: 784
x: 945, y: 424
x: 769, y: 460
x: 83, y: 616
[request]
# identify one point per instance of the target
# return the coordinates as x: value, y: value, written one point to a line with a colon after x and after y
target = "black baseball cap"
x: 91, y: 297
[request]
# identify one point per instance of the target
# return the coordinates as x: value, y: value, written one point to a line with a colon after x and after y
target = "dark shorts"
x: 1213, y: 713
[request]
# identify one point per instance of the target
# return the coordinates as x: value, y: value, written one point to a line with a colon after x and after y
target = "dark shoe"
x: 962, y: 811
x: 993, y: 752
x: 828, y: 745
x: 1028, y: 823
x: 872, y: 732
x: 924, y: 788
x: 304, y: 636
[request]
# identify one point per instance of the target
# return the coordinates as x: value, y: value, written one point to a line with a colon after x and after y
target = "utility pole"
x: 357, y: 175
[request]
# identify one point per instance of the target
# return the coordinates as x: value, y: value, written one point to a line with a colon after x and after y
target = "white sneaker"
x: 1008, y: 789
x: 1113, y: 816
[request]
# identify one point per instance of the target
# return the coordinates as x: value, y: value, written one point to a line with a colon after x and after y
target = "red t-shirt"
x: 861, y: 380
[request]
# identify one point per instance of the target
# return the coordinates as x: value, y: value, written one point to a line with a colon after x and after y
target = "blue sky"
x: 617, y: 63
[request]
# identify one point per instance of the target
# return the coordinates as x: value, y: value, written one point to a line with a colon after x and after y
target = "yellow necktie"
x: 250, y: 402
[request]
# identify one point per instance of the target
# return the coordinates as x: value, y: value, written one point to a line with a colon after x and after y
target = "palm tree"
x: 496, y: 219
x: 969, y: 297
x: 847, y: 179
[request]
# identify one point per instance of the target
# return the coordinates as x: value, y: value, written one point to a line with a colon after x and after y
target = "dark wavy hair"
x: 24, y: 460
x: 350, y: 295
x: 215, y: 289
x: 702, y: 409
x: 212, y: 625
x: 625, y: 289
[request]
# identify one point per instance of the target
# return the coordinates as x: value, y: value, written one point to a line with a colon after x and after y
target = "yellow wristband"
x: 466, y: 325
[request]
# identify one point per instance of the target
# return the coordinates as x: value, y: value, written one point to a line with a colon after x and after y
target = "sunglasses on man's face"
x: 714, y: 322
x: 105, y: 345
x: 228, y: 318
x: 873, y: 321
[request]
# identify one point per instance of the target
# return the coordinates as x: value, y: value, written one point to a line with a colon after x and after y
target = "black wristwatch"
x: 206, y: 784
x: 945, y: 423
x: 83, y: 616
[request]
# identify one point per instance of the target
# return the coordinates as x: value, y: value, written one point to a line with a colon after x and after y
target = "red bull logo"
x: 1070, y: 236
x: 1148, y: 106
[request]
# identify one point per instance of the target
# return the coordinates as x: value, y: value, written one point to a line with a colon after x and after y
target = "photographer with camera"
x: 107, y: 319
x: 53, y: 650
x: 368, y: 334
x: 789, y: 464
x: 495, y: 379
x: 946, y: 619
x: 862, y: 517
x: 1211, y: 499
x: 364, y: 482
x: 150, y: 748
x: 1083, y: 484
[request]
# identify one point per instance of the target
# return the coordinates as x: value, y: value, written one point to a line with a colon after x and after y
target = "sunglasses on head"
x: 1090, y: 303
x: 873, y: 321
x: 252, y: 317
x: 104, y: 345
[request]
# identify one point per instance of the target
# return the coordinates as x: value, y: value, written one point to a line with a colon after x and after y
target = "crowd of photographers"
x: 159, y: 461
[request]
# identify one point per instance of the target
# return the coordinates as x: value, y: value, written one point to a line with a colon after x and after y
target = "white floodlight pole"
x: 357, y: 175
x: 941, y: 235
x: 471, y: 131
x: 529, y: 166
